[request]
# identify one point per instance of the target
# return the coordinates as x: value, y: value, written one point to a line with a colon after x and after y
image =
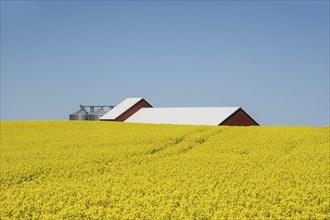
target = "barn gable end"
x: 125, y: 109
x: 129, y: 112
x: 239, y: 118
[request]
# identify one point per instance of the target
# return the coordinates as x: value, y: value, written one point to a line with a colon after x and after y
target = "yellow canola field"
x: 109, y: 170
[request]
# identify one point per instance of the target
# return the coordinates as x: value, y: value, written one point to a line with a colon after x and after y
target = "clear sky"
x: 269, y: 57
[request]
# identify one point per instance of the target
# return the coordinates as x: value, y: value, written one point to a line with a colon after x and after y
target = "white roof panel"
x: 192, y: 116
x: 120, y: 108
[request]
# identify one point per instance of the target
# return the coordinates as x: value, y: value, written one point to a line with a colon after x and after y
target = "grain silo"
x: 81, y: 114
x: 94, y: 116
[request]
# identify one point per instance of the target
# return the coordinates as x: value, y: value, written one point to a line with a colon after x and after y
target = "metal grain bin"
x: 94, y: 116
x: 81, y: 114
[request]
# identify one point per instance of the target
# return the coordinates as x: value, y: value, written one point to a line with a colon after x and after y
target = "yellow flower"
x: 110, y: 170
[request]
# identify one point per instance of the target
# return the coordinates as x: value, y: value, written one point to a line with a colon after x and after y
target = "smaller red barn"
x: 125, y: 109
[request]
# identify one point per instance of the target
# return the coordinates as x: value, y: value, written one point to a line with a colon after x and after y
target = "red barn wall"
x: 239, y: 118
x: 133, y: 109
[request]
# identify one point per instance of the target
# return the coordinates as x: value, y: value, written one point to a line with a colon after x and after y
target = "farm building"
x: 138, y: 110
x: 125, y: 109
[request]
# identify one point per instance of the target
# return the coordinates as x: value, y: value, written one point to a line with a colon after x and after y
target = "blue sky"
x: 271, y: 58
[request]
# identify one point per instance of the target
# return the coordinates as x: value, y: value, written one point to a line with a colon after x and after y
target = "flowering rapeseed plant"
x: 109, y: 170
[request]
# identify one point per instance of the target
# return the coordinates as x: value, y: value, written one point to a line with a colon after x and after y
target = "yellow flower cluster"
x: 111, y: 170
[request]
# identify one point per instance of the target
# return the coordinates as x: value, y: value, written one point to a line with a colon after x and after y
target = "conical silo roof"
x: 81, y: 114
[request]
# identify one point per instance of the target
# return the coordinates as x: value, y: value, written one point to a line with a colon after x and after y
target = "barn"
x: 138, y: 110
x: 125, y: 109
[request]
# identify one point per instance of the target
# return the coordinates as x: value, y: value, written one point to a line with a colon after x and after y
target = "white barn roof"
x: 192, y: 116
x: 120, y: 108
